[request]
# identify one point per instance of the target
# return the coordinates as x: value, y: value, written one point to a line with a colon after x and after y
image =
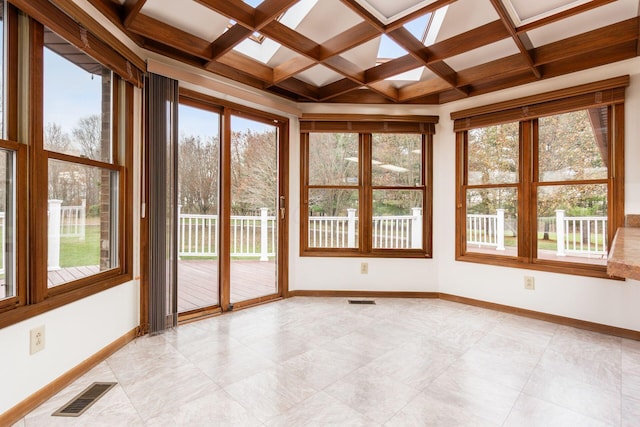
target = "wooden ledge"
x: 624, y: 256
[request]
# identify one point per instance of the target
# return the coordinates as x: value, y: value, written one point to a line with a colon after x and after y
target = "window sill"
x: 18, y: 314
x: 389, y: 253
x: 587, y: 270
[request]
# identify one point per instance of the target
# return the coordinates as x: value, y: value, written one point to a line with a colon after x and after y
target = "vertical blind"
x: 162, y: 142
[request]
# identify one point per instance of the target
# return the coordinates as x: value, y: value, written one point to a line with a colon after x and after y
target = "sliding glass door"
x: 254, y: 209
x: 198, y: 211
x: 231, y: 208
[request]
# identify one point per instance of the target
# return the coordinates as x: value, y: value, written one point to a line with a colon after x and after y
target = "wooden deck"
x: 198, y: 281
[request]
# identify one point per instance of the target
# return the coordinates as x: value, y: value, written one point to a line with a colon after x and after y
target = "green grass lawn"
x: 75, y: 252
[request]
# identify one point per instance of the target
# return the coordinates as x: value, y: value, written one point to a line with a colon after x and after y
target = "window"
x: 366, y: 192
x: 543, y: 192
x: 83, y: 180
x: 3, y: 95
x: 65, y: 162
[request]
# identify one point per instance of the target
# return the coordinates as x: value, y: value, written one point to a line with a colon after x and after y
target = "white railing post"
x: 351, y: 228
x: 179, y: 237
x: 264, y: 235
x: 500, y: 230
x: 53, y: 247
x: 82, y: 220
x: 416, y: 228
x: 560, y: 232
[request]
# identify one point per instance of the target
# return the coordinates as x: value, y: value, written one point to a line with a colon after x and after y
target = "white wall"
x: 77, y: 331
x: 597, y: 300
x: 603, y: 301
x: 73, y: 333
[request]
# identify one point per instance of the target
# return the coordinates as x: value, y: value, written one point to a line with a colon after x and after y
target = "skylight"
x: 427, y: 27
x: 388, y: 49
x: 253, y: 3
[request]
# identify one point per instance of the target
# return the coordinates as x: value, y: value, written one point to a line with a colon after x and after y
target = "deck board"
x: 198, y: 281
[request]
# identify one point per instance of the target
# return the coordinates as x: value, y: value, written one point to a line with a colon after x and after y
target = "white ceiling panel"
x: 327, y: 19
x: 319, y: 76
x: 611, y: 13
x: 281, y: 56
x: 526, y: 10
x: 483, y: 55
x: 465, y: 15
x: 387, y: 10
x: 364, y: 56
x: 188, y: 16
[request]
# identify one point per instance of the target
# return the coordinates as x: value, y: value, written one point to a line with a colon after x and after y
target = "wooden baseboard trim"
x: 20, y: 410
x: 553, y: 318
x: 362, y: 294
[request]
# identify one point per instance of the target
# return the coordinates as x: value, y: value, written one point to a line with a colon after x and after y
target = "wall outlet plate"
x: 364, y: 268
x: 529, y: 283
x: 36, y: 339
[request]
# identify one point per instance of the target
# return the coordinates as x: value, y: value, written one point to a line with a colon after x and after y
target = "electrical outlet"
x: 364, y: 268
x: 529, y: 283
x: 36, y: 339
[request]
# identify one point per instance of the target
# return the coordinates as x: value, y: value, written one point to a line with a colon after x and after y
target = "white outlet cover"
x: 36, y: 339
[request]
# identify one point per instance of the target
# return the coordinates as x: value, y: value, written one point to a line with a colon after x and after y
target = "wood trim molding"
x: 20, y: 410
x: 362, y: 294
x: 547, y: 317
x: 532, y: 314
x: 613, y: 83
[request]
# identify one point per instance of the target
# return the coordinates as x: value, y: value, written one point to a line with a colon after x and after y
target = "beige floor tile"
x: 400, y: 362
x: 530, y: 411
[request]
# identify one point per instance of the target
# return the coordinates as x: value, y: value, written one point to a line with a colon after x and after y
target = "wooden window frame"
x: 526, y: 111
x: 365, y: 126
x: 34, y: 296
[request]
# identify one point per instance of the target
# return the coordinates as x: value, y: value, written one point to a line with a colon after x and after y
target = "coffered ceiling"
x: 381, y: 51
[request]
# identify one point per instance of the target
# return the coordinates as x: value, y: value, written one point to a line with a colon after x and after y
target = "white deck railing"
x: 251, y: 236
x: 389, y: 232
x: 585, y: 235
x: 486, y: 230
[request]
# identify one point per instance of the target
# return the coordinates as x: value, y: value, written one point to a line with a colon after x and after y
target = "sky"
x: 66, y: 92
x: 72, y: 93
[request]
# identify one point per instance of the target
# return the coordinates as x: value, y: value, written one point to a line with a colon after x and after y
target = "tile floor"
x: 402, y: 362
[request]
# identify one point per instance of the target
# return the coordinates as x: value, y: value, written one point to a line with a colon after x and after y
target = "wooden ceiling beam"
x: 239, y: 11
x: 130, y: 10
x: 591, y: 59
x: 300, y: 88
x: 405, y: 39
x: 346, y: 68
x: 391, y: 68
x: 353, y: 37
x: 386, y: 89
x: 338, y: 88
x: 113, y: 12
x: 269, y: 10
x: 291, y: 68
x: 521, y: 40
x: 365, y: 14
x: 291, y: 39
x: 430, y: 8
x: 473, y: 39
x: 174, y: 37
x: 506, y: 66
x: 247, y: 65
x: 423, y: 88
x: 593, y: 40
x: 228, y: 40
x: 562, y: 15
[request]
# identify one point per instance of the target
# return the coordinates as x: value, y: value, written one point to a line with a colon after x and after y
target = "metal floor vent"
x: 361, y: 301
x: 84, y: 400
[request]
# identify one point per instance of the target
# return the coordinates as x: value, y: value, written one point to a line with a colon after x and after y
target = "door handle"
x: 282, y: 207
